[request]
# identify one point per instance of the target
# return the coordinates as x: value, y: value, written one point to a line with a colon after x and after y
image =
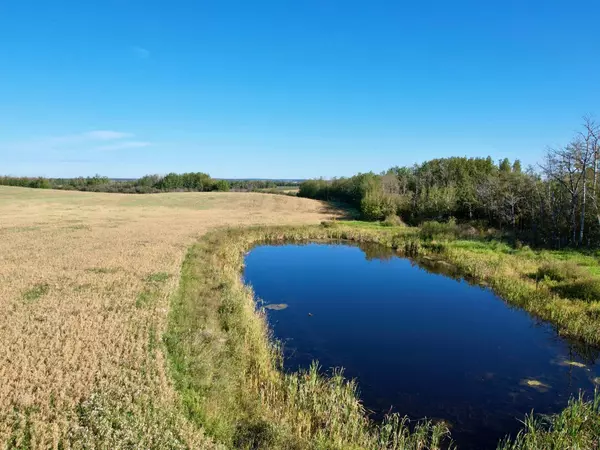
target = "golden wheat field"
x: 85, y: 280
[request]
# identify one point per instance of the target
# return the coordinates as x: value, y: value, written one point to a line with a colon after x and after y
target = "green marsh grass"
x: 577, y: 427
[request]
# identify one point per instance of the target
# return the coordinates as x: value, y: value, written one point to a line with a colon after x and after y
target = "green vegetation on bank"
x: 556, y: 206
x: 227, y: 367
x: 576, y: 427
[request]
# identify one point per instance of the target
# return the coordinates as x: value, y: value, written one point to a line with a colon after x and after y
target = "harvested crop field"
x: 85, y: 280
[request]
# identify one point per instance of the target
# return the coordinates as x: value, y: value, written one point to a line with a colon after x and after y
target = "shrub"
x: 468, y: 231
x: 377, y: 206
x: 559, y: 271
x: 437, y: 230
x: 587, y: 289
x: 392, y: 221
x: 221, y: 186
x: 328, y: 223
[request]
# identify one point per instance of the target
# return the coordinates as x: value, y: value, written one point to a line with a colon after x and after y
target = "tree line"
x: 191, y: 181
x: 555, y: 204
x: 260, y: 185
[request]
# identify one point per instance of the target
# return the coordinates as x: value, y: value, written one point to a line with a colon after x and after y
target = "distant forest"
x: 555, y: 204
x: 193, y: 181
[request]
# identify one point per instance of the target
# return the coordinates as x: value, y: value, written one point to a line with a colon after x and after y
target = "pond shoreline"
x: 227, y: 368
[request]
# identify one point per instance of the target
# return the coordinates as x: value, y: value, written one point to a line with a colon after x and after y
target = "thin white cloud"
x: 106, y: 135
x: 68, y: 145
x: 81, y: 138
x: 123, y: 145
x: 140, y: 52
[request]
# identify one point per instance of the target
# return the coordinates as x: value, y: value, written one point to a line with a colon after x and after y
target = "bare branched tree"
x: 568, y: 167
x: 591, y: 137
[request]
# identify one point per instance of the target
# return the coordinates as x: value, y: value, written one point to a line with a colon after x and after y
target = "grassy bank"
x: 227, y: 368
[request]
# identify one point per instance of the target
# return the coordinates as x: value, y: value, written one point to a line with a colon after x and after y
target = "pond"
x: 419, y: 342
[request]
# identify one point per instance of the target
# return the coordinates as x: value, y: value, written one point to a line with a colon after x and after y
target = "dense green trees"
x: 557, y: 205
x: 261, y: 185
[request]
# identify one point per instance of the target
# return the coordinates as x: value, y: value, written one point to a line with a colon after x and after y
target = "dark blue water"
x: 419, y: 343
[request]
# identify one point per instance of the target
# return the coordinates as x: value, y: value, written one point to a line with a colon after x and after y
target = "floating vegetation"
x: 276, y: 306
x: 596, y: 381
x: 536, y: 384
x: 573, y: 364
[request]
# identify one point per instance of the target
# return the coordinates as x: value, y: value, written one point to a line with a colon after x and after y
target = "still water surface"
x: 419, y: 342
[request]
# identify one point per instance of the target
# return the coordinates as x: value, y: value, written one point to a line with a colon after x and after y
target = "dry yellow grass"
x: 84, y: 285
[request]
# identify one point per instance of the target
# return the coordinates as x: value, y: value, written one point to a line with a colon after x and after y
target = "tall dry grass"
x: 84, y: 285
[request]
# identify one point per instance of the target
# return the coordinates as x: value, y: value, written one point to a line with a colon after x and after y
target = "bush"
x: 559, y: 271
x: 377, y: 206
x: 587, y: 289
x: 221, y: 186
x: 436, y: 230
x: 392, y: 221
x: 328, y: 223
x: 468, y: 231
x: 569, y: 280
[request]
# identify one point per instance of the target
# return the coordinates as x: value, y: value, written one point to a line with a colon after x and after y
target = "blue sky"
x: 289, y: 89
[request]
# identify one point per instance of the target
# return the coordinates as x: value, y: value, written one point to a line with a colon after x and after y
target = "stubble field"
x: 85, y: 281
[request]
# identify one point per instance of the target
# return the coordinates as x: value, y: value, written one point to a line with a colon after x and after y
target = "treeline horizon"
x: 172, y: 182
x: 555, y: 205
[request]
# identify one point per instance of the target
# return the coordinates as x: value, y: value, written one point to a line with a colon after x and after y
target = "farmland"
x: 85, y: 281
x: 126, y: 323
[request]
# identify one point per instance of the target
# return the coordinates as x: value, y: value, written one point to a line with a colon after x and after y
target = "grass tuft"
x: 159, y: 277
x: 33, y: 294
x: 576, y: 427
x: 146, y: 299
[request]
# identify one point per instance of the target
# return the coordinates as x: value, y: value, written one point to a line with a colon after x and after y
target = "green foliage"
x: 576, y: 427
x: 392, y: 220
x: 587, y: 289
x: 559, y: 271
x: 516, y: 167
x: 262, y: 185
x: 569, y: 280
x: 377, y: 206
x: 221, y: 186
x: 554, y: 209
x: 504, y: 165
x: 348, y: 190
x: 436, y: 230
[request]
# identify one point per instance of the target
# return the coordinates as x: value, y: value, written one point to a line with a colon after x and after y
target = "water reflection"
x: 420, y: 340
